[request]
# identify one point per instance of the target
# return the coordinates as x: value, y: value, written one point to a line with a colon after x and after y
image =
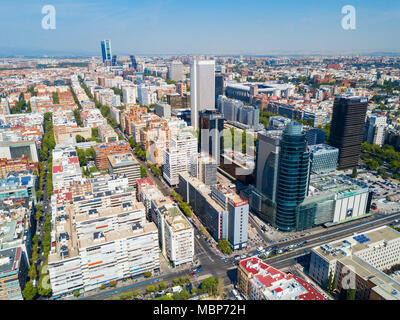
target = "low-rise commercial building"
x: 324, y: 158
x: 361, y: 262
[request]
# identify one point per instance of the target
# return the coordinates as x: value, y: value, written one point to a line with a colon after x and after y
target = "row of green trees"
x: 224, y: 246
x: 143, y: 172
x: 48, y: 141
x: 138, y: 150
x: 105, y: 110
x: 56, y: 98
x: 77, y: 114
x: 43, y: 289
x: 184, y: 206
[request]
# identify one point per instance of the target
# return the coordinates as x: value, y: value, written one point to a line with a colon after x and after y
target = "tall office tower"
x: 347, y: 129
x: 374, y: 131
x: 211, y: 133
x: 202, y: 83
x: 176, y: 71
x: 267, y: 161
x: 293, y: 176
x: 114, y: 60
x: 133, y: 62
x: 219, y: 85
x: 106, y: 50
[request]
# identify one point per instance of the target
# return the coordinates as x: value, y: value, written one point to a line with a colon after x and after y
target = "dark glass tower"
x: 114, y: 60
x: 347, y: 129
x: 106, y: 50
x: 219, y: 85
x: 211, y: 133
x: 133, y: 61
x: 293, y: 176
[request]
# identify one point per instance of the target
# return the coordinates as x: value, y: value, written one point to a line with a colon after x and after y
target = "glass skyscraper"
x: 211, y: 133
x: 293, y: 176
x: 133, y: 62
x: 106, y: 50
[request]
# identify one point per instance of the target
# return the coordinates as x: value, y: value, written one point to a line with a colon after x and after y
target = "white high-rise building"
x: 129, y: 95
x: 177, y: 158
x: 374, y: 132
x: 176, y: 71
x: 145, y: 96
x: 176, y: 235
x: 202, y: 87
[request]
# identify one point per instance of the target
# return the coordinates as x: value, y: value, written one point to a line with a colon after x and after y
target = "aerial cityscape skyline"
x: 206, y: 153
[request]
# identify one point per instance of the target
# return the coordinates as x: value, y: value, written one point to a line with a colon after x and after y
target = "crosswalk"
x: 200, y: 250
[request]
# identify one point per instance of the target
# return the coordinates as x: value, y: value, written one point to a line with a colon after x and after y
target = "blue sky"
x: 199, y: 27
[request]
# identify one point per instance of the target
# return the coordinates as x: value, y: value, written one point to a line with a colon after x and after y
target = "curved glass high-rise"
x: 293, y: 176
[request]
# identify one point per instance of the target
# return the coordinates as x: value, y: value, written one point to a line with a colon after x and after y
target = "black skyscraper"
x: 114, y: 60
x: 219, y: 85
x: 211, y: 133
x: 347, y: 129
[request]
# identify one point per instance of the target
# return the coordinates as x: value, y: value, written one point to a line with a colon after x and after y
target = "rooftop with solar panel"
x: 358, y: 242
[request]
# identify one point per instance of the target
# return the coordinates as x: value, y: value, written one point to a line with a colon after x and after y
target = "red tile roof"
x: 57, y: 169
x: 268, y: 275
x: 73, y: 160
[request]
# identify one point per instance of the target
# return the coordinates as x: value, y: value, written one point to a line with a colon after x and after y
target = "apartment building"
x: 107, y: 134
x: 13, y: 273
x: 124, y: 164
x: 106, y: 149
x: 198, y: 196
x: 18, y: 185
x: 147, y: 192
x: 102, y: 245
x: 16, y: 165
x: 177, y: 158
x: 66, y: 169
x: 176, y: 235
x: 259, y: 281
x: 238, y: 213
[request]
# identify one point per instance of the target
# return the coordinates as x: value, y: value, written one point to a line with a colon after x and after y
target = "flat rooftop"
x: 121, y: 159
x: 203, y: 189
x: 108, y: 211
x: 352, y: 244
x: 9, y: 260
x: 334, y: 183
